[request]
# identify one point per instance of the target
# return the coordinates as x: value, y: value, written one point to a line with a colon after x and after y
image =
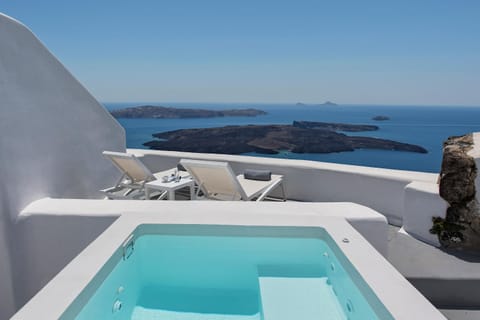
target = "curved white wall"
x: 52, y: 134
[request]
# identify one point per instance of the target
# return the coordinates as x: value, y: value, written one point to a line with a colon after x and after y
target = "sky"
x: 412, y: 52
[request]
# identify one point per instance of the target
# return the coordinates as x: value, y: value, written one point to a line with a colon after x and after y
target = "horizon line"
x: 293, y: 103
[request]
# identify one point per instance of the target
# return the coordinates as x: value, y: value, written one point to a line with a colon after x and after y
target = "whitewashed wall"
x: 380, y: 189
x: 52, y: 134
x: 422, y: 204
x: 7, y: 303
x: 475, y: 153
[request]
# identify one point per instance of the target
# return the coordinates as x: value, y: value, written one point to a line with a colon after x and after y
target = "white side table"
x: 170, y: 187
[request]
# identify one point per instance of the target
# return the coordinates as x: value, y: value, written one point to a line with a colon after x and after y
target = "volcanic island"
x: 299, y: 137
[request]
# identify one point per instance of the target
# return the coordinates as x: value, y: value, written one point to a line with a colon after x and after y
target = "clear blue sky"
x: 352, y: 52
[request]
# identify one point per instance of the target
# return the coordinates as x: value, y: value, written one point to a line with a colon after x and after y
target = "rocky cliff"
x: 461, y: 227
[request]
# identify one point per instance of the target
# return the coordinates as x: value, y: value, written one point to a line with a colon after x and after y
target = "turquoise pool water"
x: 213, y: 272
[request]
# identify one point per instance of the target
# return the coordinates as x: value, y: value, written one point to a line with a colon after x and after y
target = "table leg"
x: 147, y: 193
x: 171, y: 194
x: 192, y: 192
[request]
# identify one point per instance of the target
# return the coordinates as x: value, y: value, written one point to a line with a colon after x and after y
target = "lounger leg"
x: 283, y: 191
x: 198, y: 190
x: 269, y: 189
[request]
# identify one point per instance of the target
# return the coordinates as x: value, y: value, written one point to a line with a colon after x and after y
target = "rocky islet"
x: 300, y: 137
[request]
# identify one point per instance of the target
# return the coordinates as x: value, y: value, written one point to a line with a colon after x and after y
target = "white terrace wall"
x: 380, y: 189
x: 52, y: 134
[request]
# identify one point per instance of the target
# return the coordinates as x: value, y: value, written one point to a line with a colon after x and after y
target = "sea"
x: 427, y: 126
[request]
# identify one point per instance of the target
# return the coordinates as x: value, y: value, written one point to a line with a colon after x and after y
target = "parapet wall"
x: 380, y: 189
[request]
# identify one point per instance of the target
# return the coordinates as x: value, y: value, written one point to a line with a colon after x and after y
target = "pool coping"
x: 400, y: 298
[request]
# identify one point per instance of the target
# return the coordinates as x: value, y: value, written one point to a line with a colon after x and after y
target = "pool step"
x: 140, y: 313
x: 286, y: 298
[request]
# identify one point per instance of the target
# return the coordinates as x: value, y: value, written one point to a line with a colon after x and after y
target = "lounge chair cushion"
x: 261, y: 175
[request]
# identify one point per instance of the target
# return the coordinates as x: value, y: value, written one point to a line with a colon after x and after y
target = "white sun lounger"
x: 217, y: 181
x: 135, y: 174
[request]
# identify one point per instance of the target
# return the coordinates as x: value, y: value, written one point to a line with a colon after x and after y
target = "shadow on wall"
x: 49, y: 243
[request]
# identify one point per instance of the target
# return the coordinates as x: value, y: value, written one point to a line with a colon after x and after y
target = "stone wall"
x: 460, y: 229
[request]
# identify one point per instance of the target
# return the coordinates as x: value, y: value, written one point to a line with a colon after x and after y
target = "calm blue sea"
x: 427, y: 126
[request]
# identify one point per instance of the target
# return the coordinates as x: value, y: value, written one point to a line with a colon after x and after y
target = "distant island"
x: 159, y: 112
x: 325, y: 104
x: 300, y: 137
x: 381, y: 118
